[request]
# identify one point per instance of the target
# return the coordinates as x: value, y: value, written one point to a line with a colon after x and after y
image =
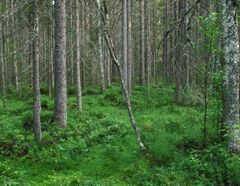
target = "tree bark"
x: 231, y: 51
x: 36, y: 85
x: 149, y: 47
x: 165, y: 43
x: 142, y: 42
x: 129, y: 46
x: 60, y: 106
x: 4, y: 99
x: 3, y: 63
x: 77, y: 54
x: 100, y: 45
x: 15, y: 64
x: 125, y: 39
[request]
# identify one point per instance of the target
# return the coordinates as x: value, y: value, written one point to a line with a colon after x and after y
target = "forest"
x: 119, y: 93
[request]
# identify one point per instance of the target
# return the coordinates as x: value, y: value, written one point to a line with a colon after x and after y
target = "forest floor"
x: 99, y: 147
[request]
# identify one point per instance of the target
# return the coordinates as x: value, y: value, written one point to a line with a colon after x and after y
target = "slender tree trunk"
x: 129, y: 47
x: 149, y: 49
x: 60, y: 107
x: 154, y: 41
x: 15, y: 65
x: 83, y: 34
x: 72, y: 41
x: 187, y: 41
x: 3, y: 68
x: 109, y: 65
x: 50, y: 65
x: 142, y: 42
x: 100, y: 43
x: 3, y: 73
x: 77, y: 54
x: 125, y: 39
x: 177, y: 14
x: 165, y: 43
x: 36, y: 85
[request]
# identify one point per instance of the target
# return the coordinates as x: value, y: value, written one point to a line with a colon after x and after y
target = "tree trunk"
x: 36, y: 86
x: 100, y: 43
x: 15, y: 65
x: 60, y: 107
x: 3, y: 69
x: 165, y: 43
x: 231, y: 49
x: 123, y: 82
x: 3, y: 62
x: 149, y: 49
x: 129, y: 46
x: 142, y: 42
x: 77, y: 54
x: 109, y: 65
x: 125, y: 39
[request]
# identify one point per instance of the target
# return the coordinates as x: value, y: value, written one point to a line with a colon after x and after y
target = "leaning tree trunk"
x: 121, y: 73
x: 231, y: 49
x: 60, y: 107
x: 36, y: 86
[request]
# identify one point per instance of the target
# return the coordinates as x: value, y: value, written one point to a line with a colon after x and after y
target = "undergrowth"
x: 99, y: 147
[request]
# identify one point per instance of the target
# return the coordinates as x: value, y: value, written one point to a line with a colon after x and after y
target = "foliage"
x: 99, y: 146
